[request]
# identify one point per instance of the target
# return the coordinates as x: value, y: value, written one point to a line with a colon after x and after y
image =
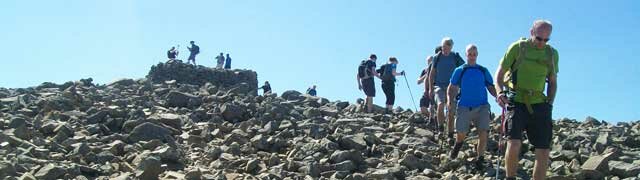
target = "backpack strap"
x: 551, y: 63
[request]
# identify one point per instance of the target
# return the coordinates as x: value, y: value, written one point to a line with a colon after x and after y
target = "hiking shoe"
x: 455, y: 151
x: 452, y: 141
x: 480, y: 163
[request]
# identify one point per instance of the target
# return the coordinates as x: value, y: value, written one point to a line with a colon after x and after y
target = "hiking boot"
x: 480, y: 163
x: 452, y: 141
x: 454, y: 152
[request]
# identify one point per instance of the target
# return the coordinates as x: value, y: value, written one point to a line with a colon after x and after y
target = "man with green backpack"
x: 525, y: 69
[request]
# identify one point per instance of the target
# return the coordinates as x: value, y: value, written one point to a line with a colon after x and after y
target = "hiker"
x: 172, y: 53
x: 193, y: 51
x: 427, y: 103
x: 444, y: 63
x: 388, y: 77
x: 312, y: 90
x: 468, y: 88
x: 266, y: 88
x: 520, y: 81
x: 227, y: 62
x: 220, y: 61
x: 366, y: 72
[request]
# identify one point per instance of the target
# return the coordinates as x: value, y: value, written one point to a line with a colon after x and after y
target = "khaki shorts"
x: 480, y: 116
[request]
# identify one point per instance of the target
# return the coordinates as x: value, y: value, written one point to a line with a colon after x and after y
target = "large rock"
x: 50, y: 171
x: 597, y: 166
x: 149, y: 131
x: 232, y: 112
x: 180, y: 99
x: 624, y: 170
x: 149, y: 168
x: 355, y: 142
x: 172, y: 120
x: 292, y: 95
x: 7, y: 169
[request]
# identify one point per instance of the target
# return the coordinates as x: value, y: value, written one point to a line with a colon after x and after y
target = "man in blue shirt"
x: 444, y: 63
x: 469, y: 84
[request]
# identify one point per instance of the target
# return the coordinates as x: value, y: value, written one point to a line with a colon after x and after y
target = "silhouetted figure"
x: 220, y: 61
x: 227, y: 62
x: 266, y: 88
x: 194, y: 50
x: 172, y: 53
x: 312, y: 91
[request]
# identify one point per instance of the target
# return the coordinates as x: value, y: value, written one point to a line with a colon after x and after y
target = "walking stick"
x: 500, y: 137
x: 412, y: 100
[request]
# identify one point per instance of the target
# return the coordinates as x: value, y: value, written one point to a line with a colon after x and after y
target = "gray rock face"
x: 199, y: 75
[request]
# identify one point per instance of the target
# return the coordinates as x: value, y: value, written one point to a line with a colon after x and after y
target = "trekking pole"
x: 500, y: 137
x: 408, y: 87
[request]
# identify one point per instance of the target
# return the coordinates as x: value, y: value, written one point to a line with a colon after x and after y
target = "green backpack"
x: 511, y: 79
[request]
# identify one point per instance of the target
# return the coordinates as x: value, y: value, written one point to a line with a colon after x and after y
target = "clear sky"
x: 295, y: 44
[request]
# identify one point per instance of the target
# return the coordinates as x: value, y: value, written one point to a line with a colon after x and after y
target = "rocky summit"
x: 193, y: 122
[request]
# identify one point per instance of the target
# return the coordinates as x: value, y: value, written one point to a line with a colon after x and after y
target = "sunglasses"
x: 543, y: 40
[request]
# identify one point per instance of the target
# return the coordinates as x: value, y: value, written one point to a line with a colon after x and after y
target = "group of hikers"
x: 194, y: 50
x: 455, y: 91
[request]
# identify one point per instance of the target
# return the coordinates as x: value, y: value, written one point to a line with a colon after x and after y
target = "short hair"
x: 393, y: 59
x: 438, y: 49
x: 472, y: 46
x: 373, y: 56
x: 191, y: 42
x: 542, y: 23
x: 446, y: 41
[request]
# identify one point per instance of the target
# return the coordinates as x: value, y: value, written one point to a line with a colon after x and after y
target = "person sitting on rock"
x: 312, y: 90
x: 468, y: 89
x: 266, y: 88
x: 172, y: 53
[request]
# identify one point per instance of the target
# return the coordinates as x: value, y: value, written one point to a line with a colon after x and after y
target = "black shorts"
x: 368, y: 87
x: 539, y: 125
x: 193, y: 57
x: 426, y: 101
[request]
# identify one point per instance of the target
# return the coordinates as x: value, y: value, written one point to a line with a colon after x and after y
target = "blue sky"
x: 295, y: 44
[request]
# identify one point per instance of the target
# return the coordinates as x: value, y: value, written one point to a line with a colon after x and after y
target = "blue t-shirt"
x: 389, y: 69
x: 444, y: 68
x: 473, y: 91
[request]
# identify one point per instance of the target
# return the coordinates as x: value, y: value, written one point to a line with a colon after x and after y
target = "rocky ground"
x: 188, y: 122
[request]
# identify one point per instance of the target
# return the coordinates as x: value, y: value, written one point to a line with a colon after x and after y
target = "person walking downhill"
x: 427, y: 103
x: 524, y: 70
x: 468, y: 89
x: 444, y: 63
x: 388, y: 77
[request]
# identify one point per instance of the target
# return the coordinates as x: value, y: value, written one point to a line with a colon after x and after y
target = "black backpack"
x: 436, y: 59
x: 385, y: 74
x: 363, y: 72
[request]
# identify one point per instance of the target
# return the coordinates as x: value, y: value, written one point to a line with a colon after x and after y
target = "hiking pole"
x: 408, y: 87
x: 500, y: 137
